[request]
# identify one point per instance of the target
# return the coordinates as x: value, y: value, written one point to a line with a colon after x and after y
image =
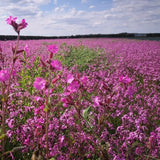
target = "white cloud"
x: 60, y: 8
x: 23, y: 8
x: 56, y: 9
x: 124, y: 16
x: 92, y: 6
x: 34, y: 1
x: 137, y: 15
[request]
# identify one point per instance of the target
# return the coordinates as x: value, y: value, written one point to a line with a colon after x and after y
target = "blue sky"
x: 74, y: 17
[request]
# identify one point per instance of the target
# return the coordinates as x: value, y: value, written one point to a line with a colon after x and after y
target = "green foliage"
x: 52, y: 159
x: 29, y: 73
x: 87, y: 117
x: 81, y: 56
x: 86, y: 113
x: 47, y: 43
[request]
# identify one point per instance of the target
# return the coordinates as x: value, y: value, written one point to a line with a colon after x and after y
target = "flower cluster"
x: 39, y: 83
x: 4, y: 75
x: 17, y: 27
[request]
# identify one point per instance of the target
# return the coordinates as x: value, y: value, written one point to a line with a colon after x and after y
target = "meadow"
x: 79, y: 99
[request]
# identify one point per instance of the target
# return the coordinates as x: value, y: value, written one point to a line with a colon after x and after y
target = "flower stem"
x: 11, y: 72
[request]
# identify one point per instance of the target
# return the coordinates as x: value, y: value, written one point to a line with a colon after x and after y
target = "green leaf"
x: 85, y: 113
x: 52, y: 158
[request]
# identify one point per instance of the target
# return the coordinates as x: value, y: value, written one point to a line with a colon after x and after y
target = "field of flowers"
x: 79, y: 99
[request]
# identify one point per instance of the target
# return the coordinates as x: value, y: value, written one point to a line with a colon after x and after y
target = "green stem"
x: 11, y: 72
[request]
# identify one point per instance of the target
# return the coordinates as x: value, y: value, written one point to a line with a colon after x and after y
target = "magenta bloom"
x: 38, y: 110
x: 131, y: 91
x: 152, y: 138
x: 22, y: 25
x: 56, y: 65
x: 11, y: 123
x: 125, y: 79
x: 26, y: 49
x: 26, y: 141
x: 11, y: 19
x: 53, y: 49
x: 17, y: 27
x: 73, y: 87
x: 84, y: 80
x: 56, y: 79
x: 96, y: 101
x: 70, y: 78
x: 65, y: 102
x: 4, y: 75
x: 38, y: 98
x: 39, y: 83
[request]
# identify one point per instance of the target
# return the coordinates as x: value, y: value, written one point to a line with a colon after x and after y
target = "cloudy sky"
x: 74, y: 17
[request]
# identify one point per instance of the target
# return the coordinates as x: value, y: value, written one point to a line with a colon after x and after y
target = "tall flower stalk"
x: 6, y: 90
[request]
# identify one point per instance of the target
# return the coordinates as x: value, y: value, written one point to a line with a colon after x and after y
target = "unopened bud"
x: 56, y: 79
x: 13, y: 50
x: 107, y: 101
x: 14, y: 59
x: 0, y: 49
x: 44, y: 65
x: 51, y: 55
x: 47, y: 85
x: 20, y: 51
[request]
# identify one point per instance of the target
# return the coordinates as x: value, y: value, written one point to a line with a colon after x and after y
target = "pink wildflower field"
x: 102, y: 104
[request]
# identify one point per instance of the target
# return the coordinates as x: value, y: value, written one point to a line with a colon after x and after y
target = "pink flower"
x: 39, y: 83
x: 4, y: 75
x: 61, y: 139
x: 42, y: 107
x: 73, y: 87
x: 84, y: 80
x: 96, y: 101
x: 37, y: 111
x: 11, y: 19
x: 48, y: 91
x: 65, y: 102
x: 26, y: 141
x: 17, y: 27
x: 26, y: 49
x: 125, y: 79
x: 65, y: 105
x: 9, y: 133
x: 22, y: 25
x: 11, y: 123
x: 56, y: 79
x: 38, y: 130
x: 131, y: 91
x: 152, y: 138
x: 38, y: 98
x: 56, y: 65
x: 70, y: 78
x: 52, y: 49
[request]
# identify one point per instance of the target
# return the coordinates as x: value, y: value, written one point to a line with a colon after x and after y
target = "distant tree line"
x: 120, y: 35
